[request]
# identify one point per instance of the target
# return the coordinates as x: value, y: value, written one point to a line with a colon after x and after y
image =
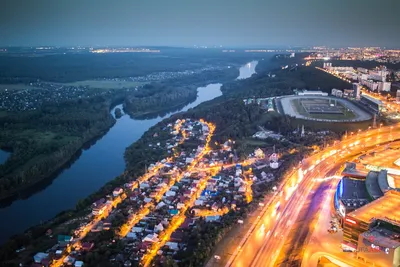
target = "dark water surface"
x: 95, y: 166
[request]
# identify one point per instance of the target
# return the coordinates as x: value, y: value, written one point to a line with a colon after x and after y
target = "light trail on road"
x: 258, y: 251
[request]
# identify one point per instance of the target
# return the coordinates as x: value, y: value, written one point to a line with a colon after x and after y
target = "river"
x: 95, y: 166
x: 4, y: 156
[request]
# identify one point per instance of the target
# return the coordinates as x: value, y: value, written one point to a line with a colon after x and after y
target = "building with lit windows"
x: 357, y: 189
x: 357, y: 90
x: 384, y: 86
x: 374, y: 104
x: 350, y: 195
x: 370, y: 220
x: 380, y: 245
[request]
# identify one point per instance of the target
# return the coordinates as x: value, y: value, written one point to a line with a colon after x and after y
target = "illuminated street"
x: 264, y: 246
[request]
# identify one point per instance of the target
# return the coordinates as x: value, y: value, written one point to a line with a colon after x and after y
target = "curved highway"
x: 262, y: 247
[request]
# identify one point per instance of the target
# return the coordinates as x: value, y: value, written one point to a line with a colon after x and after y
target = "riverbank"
x: 92, y: 172
x: 45, y: 141
x: 158, y: 98
x: 31, y: 188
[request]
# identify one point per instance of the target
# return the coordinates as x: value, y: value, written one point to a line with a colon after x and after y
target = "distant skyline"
x: 187, y: 23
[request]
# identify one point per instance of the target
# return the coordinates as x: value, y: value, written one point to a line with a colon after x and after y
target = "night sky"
x: 200, y: 22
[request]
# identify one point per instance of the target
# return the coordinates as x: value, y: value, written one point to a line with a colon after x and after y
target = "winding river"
x: 96, y: 166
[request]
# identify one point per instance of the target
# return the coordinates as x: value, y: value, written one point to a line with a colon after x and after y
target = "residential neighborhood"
x: 151, y: 218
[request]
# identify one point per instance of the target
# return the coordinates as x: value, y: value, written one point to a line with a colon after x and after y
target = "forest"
x: 232, y: 117
x: 171, y: 94
x: 87, y: 66
x: 44, y: 140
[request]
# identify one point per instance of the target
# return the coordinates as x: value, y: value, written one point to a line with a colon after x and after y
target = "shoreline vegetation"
x: 158, y: 98
x: 233, y: 119
x: 47, y: 139
x: 56, y: 135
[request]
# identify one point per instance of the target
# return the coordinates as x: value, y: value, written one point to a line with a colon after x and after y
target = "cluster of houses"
x: 45, y: 259
x: 222, y: 192
x: 173, y: 190
x: 145, y: 192
x: 147, y: 231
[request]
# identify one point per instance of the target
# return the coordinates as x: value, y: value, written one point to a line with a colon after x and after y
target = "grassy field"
x: 335, y: 127
x: 108, y: 84
x: 347, y: 114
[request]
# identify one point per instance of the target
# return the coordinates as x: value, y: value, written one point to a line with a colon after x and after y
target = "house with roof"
x: 172, y: 245
x: 147, y: 199
x: 158, y: 228
x: 99, y: 202
x: 144, y: 185
x: 187, y: 223
x: 177, y: 236
x: 64, y: 238
x: 180, y: 205
x: 173, y: 212
x: 87, y: 246
x: 98, y: 210
x: 170, y: 193
x: 69, y: 260
x: 117, y: 191
x: 214, y: 218
x: 160, y: 205
x: 38, y: 257
x: 131, y: 235
x: 151, y: 238
x: 137, y: 229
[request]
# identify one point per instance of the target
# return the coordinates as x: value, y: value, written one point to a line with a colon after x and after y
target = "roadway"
x: 263, y: 246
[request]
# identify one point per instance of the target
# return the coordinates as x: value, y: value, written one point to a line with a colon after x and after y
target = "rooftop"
x: 386, y: 207
x: 376, y: 101
x: 383, y: 237
x: 354, y: 192
x: 377, y: 183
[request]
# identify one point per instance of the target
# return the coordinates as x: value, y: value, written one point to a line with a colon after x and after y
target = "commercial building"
x: 372, y: 103
x: 357, y: 189
x: 350, y: 195
x: 380, y: 245
x: 377, y: 184
x: 385, y: 208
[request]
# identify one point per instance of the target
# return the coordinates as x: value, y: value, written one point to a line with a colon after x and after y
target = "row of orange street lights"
x: 313, y: 162
x: 125, y: 228
x: 134, y: 219
x: 178, y: 219
x: 176, y: 222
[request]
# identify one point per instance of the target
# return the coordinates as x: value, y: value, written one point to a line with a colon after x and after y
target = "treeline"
x: 158, y: 97
x: 261, y: 85
x: 44, y: 140
x: 87, y: 66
